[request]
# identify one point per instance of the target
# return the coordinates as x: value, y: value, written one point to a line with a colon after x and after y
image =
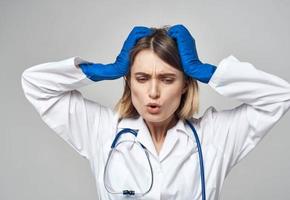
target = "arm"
x: 52, y: 89
x: 265, y: 99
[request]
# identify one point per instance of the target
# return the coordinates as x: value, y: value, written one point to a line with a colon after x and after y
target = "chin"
x: 154, y: 118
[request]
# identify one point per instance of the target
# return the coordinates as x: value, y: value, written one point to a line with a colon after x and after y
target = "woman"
x: 161, y: 69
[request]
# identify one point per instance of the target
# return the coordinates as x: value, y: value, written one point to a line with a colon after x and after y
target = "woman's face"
x: 154, y: 81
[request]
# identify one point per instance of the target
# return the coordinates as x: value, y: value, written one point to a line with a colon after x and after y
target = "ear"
x: 185, y: 87
x: 127, y: 81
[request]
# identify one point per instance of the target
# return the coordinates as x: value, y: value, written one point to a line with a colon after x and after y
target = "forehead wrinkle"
x: 154, y: 63
x: 158, y: 69
x: 148, y: 58
x: 158, y: 74
x: 149, y: 70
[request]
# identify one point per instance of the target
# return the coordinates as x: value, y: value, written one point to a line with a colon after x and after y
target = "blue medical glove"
x: 98, y: 71
x: 191, y: 64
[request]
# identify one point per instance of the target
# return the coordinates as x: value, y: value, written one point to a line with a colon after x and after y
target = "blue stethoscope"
x: 132, y: 193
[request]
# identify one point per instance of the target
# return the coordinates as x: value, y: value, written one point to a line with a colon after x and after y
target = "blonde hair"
x: 166, y: 49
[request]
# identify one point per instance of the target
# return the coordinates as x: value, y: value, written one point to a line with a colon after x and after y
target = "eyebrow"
x: 161, y: 74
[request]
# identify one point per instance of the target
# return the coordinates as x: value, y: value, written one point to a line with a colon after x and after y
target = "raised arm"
x: 265, y: 99
x: 52, y: 89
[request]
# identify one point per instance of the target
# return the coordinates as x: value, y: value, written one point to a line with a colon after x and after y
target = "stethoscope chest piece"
x: 134, y: 143
x: 136, y: 155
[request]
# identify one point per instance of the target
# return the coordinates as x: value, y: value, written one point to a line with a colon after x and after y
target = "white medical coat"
x: 226, y: 136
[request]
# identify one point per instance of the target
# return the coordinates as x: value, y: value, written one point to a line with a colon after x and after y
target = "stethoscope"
x: 132, y: 193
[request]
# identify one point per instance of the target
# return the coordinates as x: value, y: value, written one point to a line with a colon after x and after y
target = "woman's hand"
x: 120, y: 67
x: 191, y: 64
x: 123, y: 59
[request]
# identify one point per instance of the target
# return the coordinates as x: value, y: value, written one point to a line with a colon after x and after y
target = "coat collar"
x: 144, y: 136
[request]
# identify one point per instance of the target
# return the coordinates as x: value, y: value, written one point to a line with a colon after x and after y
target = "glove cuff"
x: 98, y: 72
x: 202, y: 72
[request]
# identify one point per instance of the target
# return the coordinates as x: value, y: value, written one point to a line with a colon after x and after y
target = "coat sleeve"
x: 264, y: 98
x: 52, y: 90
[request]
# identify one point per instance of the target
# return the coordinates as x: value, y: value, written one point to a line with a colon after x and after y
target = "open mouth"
x: 153, y: 109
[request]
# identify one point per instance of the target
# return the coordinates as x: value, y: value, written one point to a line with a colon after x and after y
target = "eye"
x: 168, y: 81
x: 141, y: 79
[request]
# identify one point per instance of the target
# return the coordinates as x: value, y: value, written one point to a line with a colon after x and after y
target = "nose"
x: 154, y: 91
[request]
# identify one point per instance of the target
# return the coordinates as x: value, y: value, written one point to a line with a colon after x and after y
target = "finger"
x: 175, y: 30
x: 137, y: 33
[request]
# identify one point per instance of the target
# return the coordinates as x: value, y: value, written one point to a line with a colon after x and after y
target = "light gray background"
x: 36, y: 164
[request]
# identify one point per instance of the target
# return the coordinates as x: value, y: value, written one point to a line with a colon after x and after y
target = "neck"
x: 158, y: 130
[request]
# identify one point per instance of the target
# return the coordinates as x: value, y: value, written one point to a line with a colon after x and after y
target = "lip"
x: 153, y: 104
x: 153, y: 108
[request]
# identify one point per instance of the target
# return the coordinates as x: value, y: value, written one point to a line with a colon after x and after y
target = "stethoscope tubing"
x: 132, y: 193
x: 202, y: 178
x: 113, y: 148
